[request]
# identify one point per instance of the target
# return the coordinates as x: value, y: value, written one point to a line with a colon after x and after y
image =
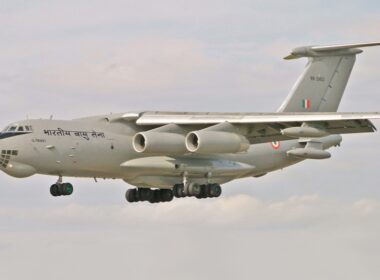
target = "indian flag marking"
x: 306, y: 103
x: 275, y: 145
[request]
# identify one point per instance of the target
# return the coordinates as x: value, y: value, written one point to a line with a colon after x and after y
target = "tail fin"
x: 320, y: 87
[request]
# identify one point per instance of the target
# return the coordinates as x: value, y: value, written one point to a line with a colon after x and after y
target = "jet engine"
x: 209, y: 142
x: 159, y: 143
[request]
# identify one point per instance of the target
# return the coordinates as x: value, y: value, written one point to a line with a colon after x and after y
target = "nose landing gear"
x: 60, y: 188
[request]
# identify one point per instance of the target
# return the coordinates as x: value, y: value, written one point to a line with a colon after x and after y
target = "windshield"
x: 18, y: 128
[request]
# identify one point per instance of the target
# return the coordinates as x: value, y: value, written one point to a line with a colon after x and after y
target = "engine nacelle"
x: 218, y: 142
x: 159, y: 143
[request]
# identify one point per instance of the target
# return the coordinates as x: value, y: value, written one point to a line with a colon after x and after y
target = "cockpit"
x: 15, y: 129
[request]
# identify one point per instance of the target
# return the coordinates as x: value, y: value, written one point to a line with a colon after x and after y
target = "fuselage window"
x: 12, y: 128
x: 20, y: 128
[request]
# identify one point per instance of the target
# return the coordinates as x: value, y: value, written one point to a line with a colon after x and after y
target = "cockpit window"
x: 17, y: 129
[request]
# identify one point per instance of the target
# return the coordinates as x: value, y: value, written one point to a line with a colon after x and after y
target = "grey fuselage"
x: 96, y: 148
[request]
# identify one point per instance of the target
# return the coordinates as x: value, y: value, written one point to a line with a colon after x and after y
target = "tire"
x: 194, y: 189
x: 203, y: 193
x: 206, y: 192
x: 178, y: 190
x: 156, y: 197
x: 145, y: 194
x: 68, y: 188
x: 166, y: 195
x: 130, y: 195
x: 215, y: 190
x: 175, y: 190
x: 54, y: 190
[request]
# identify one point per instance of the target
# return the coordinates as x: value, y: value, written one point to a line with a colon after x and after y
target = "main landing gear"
x: 179, y: 191
x: 198, y: 191
x: 60, y: 188
x: 153, y: 196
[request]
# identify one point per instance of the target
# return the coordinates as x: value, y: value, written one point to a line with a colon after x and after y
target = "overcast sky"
x: 317, y: 220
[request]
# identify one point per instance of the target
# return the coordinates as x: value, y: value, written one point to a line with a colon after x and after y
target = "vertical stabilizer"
x: 321, y: 85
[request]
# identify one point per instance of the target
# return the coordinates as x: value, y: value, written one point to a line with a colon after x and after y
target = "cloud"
x: 239, y: 235
x: 243, y: 211
x: 367, y: 206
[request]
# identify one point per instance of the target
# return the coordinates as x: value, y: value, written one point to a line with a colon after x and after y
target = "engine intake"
x: 209, y: 142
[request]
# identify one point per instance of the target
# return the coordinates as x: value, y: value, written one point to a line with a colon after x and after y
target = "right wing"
x: 264, y: 127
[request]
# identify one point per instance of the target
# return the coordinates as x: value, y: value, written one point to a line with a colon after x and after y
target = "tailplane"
x: 321, y: 85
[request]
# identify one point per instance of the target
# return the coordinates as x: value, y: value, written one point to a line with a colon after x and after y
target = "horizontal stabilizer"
x: 343, y: 47
x: 331, y: 50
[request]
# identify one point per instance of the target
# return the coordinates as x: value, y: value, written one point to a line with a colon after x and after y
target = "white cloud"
x: 367, y: 206
x: 300, y: 236
x: 240, y: 210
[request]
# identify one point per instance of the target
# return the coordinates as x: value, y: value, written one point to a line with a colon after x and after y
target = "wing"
x: 265, y: 127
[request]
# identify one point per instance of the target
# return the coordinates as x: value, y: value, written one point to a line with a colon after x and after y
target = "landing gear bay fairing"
x: 180, y: 154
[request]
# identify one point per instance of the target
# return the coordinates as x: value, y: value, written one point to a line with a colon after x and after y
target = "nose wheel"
x: 59, y: 188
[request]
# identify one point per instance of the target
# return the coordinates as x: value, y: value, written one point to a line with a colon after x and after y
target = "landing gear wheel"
x: 215, y: 190
x: 203, y: 193
x: 194, y: 189
x: 61, y: 189
x: 178, y: 190
x: 130, y: 195
x: 156, y: 197
x: 66, y: 189
x: 144, y: 194
x: 166, y: 195
x: 54, y: 190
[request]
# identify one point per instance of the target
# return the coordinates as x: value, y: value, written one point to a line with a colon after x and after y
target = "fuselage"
x: 98, y: 148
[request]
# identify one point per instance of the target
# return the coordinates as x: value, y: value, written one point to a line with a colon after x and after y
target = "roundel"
x: 275, y: 145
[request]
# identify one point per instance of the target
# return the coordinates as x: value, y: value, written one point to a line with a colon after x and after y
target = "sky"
x: 68, y: 59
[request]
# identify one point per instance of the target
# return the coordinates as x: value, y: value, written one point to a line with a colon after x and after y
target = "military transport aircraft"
x: 180, y: 154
